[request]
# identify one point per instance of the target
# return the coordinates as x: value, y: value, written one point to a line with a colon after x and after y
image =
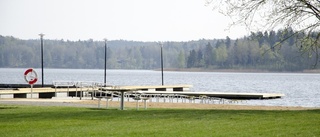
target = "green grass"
x: 69, y: 121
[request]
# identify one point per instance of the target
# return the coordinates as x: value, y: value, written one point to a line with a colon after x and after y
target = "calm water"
x: 300, y: 89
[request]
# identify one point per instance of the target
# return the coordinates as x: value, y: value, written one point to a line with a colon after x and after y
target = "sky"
x: 137, y: 20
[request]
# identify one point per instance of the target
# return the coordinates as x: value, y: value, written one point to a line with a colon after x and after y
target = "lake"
x: 300, y: 89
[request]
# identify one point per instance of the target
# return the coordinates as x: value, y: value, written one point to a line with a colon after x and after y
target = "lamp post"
x: 42, y: 75
x: 105, y: 61
x: 161, y: 45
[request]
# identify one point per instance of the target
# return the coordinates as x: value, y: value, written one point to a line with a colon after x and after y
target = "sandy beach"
x: 116, y: 104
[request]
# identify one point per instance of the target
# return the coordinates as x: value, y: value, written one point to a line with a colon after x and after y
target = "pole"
x: 161, y: 63
x: 105, y: 62
x: 42, y: 75
x: 122, y: 100
x: 31, y: 90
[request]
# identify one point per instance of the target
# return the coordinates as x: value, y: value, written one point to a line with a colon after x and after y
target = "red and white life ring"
x: 30, y: 76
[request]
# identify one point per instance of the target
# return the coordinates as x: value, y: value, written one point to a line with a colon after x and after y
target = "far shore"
x: 236, y: 70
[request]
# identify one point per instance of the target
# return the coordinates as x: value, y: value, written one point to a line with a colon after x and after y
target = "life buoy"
x: 30, y: 76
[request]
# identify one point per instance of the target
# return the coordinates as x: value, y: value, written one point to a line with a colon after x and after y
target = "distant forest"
x: 270, y: 51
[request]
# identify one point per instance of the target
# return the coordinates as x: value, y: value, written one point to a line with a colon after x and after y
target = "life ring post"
x: 31, y: 77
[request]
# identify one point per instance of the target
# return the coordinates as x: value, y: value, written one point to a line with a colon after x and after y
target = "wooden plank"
x: 151, y: 87
x: 221, y: 94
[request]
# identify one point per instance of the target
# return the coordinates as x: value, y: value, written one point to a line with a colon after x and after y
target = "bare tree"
x: 303, y: 16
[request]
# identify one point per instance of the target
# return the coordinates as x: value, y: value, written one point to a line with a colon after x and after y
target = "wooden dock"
x: 122, y: 92
x: 184, y: 90
x: 145, y: 90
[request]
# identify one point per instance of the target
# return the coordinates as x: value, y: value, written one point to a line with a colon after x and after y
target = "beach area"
x: 132, y: 105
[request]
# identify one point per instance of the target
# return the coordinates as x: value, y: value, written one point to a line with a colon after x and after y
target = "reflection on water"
x: 300, y: 89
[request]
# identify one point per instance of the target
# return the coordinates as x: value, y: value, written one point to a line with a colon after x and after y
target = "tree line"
x: 89, y: 54
x: 273, y: 51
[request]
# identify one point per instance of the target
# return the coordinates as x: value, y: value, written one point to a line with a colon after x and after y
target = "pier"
x: 92, y: 90
x: 71, y: 90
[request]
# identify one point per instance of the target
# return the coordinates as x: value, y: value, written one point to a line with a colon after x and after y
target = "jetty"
x: 93, y: 90
x: 85, y: 88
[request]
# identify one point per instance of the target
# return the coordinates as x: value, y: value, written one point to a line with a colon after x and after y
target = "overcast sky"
x: 139, y: 20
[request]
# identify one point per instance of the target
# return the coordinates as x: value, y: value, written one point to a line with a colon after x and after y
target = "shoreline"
x: 132, y: 105
x: 236, y: 70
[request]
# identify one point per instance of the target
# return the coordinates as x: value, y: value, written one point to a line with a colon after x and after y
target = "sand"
x: 116, y: 104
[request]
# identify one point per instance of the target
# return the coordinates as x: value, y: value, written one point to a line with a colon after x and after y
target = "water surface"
x: 300, y: 89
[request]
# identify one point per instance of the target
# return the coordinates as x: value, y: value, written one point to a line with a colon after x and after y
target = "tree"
x: 208, y: 55
x: 300, y: 15
x: 253, y: 53
x: 221, y: 54
x: 192, y: 59
x: 241, y: 53
x: 181, y: 60
x: 199, y: 60
x: 228, y: 41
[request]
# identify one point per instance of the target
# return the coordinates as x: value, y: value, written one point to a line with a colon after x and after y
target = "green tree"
x: 221, y: 55
x: 253, y: 53
x: 199, y: 60
x: 191, y: 62
x: 181, y: 60
x: 208, y: 55
x: 241, y: 53
x: 228, y: 42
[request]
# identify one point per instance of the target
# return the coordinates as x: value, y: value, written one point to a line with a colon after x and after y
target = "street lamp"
x: 42, y: 75
x: 105, y: 61
x: 161, y: 45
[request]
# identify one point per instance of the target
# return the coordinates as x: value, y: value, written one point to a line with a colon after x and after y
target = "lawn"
x: 70, y: 121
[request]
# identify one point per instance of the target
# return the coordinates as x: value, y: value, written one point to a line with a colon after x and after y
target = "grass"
x: 69, y: 121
